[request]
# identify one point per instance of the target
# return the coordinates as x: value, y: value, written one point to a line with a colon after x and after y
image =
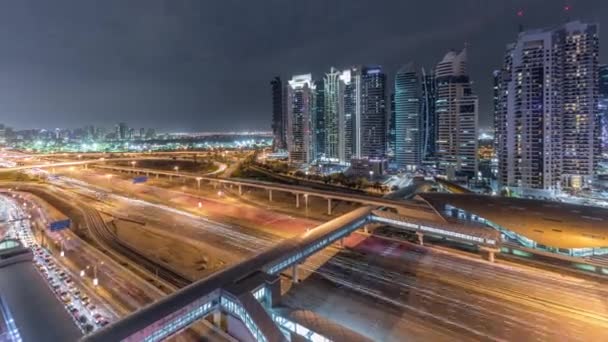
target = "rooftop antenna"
x: 567, y: 9
x: 520, y: 26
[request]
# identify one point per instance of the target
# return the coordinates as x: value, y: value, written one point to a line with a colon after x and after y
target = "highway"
x: 413, y: 284
x: 404, y: 290
x: 427, y: 294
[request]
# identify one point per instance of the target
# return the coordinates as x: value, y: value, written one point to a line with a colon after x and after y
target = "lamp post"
x: 371, y: 175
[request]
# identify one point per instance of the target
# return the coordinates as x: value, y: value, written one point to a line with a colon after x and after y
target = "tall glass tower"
x: 408, y: 146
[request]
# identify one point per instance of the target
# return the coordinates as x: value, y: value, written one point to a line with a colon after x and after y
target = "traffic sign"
x: 59, y: 225
x: 140, y: 179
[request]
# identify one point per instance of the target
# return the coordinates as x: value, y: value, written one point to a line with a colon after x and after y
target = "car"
x: 91, y: 307
x: 103, y: 323
x: 97, y: 316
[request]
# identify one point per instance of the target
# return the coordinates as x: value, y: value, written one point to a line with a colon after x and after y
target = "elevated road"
x: 294, y: 189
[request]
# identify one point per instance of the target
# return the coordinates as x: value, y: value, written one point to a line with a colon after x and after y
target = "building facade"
x: 428, y: 115
x: 334, y: 115
x: 278, y: 114
x: 603, y: 105
x: 370, y: 122
x: 547, y: 120
x: 300, y: 105
x: 456, y: 108
x: 408, y: 138
x: 319, y: 121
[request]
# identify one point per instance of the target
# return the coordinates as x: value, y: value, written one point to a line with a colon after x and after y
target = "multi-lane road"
x: 386, y: 290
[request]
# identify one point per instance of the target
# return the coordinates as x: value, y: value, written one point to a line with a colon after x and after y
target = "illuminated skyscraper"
x: 318, y: 120
x: 603, y: 105
x: 370, y: 123
x: 299, y: 115
x: 457, y: 111
x: 278, y: 114
x: 408, y: 145
x: 428, y: 114
x: 334, y: 115
x: 547, y: 120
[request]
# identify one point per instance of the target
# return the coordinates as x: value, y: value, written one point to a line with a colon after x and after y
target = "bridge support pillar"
x: 306, y: 201
x: 341, y: 242
x: 329, y: 206
x: 365, y: 229
x: 219, y: 320
x: 157, y: 176
x: 420, y: 238
x: 489, y: 253
x: 294, y: 273
x: 270, y: 195
x: 147, y: 173
x: 297, y: 200
x: 240, y: 190
x: 214, y: 185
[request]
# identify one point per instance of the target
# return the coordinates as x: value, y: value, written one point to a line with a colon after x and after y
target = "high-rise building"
x: 408, y: 146
x: 299, y: 114
x: 457, y: 110
x: 603, y: 104
x: 319, y: 120
x: 278, y: 114
x: 391, y: 134
x: 547, y: 124
x: 334, y: 115
x: 352, y: 110
x: 370, y: 123
x: 428, y: 115
x: 122, y: 131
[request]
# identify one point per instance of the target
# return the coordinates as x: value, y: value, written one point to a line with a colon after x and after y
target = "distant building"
x: 547, y: 124
x: 278, y: 114
x: 299, y: 114
x: 150, y: 133
x: 457, y: 112
x: 122, y: 131
x: 603, y: 104
x: 370, y: 123
x: 408, y: 145
x: 367, y: 168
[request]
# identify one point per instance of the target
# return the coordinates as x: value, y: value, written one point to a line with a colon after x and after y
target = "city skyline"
x: 162, y: 71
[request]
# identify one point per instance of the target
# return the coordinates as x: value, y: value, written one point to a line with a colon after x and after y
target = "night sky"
x: 205, y: 65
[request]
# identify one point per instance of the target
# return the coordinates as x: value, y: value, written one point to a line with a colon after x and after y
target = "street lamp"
x: 176, y: 168
x: 371, y: 175
x: 200, y: 205
x: 133, y: 164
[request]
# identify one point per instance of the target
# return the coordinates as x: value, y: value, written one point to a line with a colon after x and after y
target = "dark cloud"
x: 205, y: 65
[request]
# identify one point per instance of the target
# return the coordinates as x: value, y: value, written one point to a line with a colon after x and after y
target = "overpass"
x: 248, y: 290
x: 299, y: 191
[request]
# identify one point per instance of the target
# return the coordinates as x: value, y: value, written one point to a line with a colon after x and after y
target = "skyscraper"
x: 122, y: 131
x: 318, y: 120
x: 547, y: 121
x: 278, y: 114
x: 370, y: 123
x: 352, y: 109
x: 408, y: 145
x: 334, y: 115
x: 457, y: 110
x: 299, y: 114
x: 391, y: 135
x: 603, y: 104
x: 428, y: 115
